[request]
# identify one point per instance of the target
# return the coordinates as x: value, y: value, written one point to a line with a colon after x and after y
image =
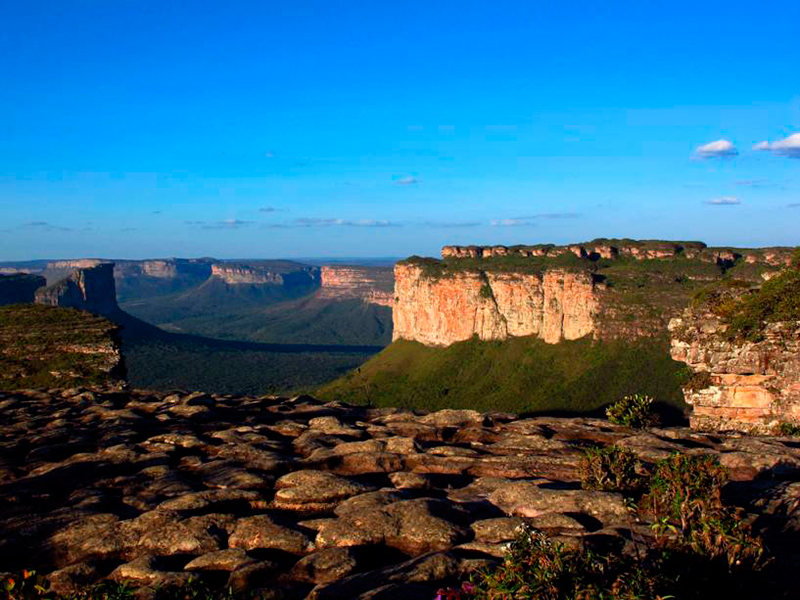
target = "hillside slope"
x: 522, y: 374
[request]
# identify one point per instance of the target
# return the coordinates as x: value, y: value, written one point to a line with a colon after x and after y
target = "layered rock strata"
x: 438, y: 311
x: 634, y: 249
x: 301, y: 499
x: 50, y: 346
x: 92, y: 289
x: 738, y: 385
x: 238, y: 274
x: 373, y: 285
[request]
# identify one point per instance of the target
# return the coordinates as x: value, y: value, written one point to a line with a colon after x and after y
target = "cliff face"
x: 738, y: 385
x: 90, y: 289
x: 19, y: 288
x: 633, y: 249
x: 237, y: 274
x: 439, y: 311
x: 372, y: 285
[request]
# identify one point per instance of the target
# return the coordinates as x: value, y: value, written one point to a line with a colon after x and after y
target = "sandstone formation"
x: 634, y: 249
x: 373, y: 285
x: 90, y: 289
x: 19, y: 288
x: 301, y: 499
x: 439, y: 311
x: 235, y: 274
x: 44, y: 345
x: 738, y: 384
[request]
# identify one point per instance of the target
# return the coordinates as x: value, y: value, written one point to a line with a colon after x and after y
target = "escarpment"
x: 92, y: 289
x: 236, y: 274
x: 372, y: 285
x: 439, y: 311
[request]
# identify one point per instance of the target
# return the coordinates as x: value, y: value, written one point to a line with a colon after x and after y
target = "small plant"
x: 612, y: 469
x: 698, y: 381
x: 535, y: 567
x: 789, y: 429
x: 685, y: 501
x: 24, y: 586
x: 633, y: 411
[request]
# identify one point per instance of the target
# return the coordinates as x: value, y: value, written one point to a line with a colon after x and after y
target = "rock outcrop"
x: 19, y: 288
x: 92, y: 289
x: 302, y: 499
x: 43, y: 346
x: 373, y: 285
x: 438, y: 311
x: 738, y: 384
x: 634, y: 249
x: 236, y: 274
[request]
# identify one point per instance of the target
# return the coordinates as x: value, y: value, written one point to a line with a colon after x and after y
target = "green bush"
x: 789, y: 429
x: 634, y: 411
x: 612, y: 469
x: 535, y: 567
x: 684, y: 502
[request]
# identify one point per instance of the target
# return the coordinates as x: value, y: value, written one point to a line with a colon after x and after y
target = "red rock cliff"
x: 438, y: 311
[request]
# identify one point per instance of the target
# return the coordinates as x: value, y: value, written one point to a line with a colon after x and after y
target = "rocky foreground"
x: 298, y: 499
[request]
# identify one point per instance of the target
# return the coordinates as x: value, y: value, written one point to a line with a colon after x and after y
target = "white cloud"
x: 406, y: 180
x: 716, y: 149
x: 789, y: 146
x: 511, y: 223
x: 724, y: 201
x: 317, y: 222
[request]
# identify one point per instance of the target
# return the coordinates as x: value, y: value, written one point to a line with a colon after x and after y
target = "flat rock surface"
x: 305, y: 499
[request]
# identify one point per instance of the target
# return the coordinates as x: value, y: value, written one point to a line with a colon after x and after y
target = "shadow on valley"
x: 157, y: 359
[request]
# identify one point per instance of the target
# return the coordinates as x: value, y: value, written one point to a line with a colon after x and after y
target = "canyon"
x: 373, y: 285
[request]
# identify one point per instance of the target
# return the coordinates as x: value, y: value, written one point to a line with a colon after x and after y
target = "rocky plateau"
x: 300, y: 499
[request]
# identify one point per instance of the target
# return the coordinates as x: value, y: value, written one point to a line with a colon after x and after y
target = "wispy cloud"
x: 564, y: 215
x: 724, y: 201
x: 268, y: 209
x: 224, y: 224
x: 44, y: 226
x: 155, y: 212
x: 789, y: 146
x: 406, y: 180
x: 512, y: 223
x: 716, y: 149
x: 452, y: 224
x: 794, y: 205
x: 317, y: 222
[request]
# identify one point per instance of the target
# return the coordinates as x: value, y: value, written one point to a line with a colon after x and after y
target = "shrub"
x: 535, y: 567
x: 685, y: 503
x: 633, y: 411
x: 611, y: 469
x: 789, y: 429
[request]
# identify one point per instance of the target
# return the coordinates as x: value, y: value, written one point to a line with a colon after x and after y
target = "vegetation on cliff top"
x: 747, y: 310
x: 46, y: 346
x: 517, y: 375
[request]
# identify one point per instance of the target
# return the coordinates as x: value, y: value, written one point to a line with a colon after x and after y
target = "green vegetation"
x: 611, y: 469
x: 28, y: 586
x: 634, y: 411
x: 747, y: 310
x: 46, y: 346
x: 701, y: 549
x: 789, y: 429
x: 517, y: 375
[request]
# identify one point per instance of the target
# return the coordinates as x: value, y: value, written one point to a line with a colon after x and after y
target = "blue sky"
x: 286, y: 129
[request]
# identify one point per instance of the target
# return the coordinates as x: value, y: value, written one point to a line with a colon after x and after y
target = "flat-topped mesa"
x: 633, y: 249
x: 78, y: 263
x: 438, y: 311
x: 373, y: 285
x: 92, y: 289
x: 239, y: 274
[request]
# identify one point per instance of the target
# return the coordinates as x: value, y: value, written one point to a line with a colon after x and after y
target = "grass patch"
x: 517, y: 375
